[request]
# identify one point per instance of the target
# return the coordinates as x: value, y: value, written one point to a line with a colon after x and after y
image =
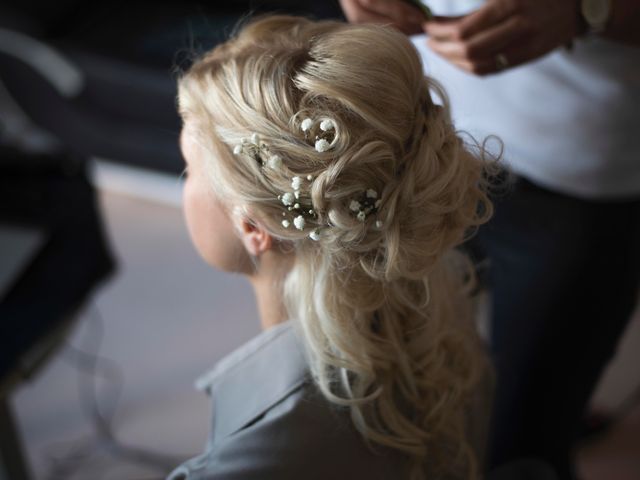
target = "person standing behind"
x: 559, y: 83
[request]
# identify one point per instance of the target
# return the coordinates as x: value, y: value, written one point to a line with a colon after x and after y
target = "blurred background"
x: 107, y: 314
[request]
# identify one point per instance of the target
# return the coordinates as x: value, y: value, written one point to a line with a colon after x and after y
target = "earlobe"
x: 255, y: 237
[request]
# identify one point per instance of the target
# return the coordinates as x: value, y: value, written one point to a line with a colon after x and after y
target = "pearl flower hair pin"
x: 255, y: 148
x: 299, y: 208
x: 323, y: 141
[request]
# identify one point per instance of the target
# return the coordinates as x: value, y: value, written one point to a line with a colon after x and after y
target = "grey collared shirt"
x: 271, y: 422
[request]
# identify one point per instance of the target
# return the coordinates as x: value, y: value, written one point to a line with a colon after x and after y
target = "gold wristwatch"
x: 595, y: 14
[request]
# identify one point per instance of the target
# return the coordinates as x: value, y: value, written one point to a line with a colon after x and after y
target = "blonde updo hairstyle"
x: 384, y: 310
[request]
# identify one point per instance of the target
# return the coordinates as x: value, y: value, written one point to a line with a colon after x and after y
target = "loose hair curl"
x: 384, y: 312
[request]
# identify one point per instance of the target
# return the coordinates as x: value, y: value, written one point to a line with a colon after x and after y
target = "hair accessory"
x: 255, y: 148
x: 306, y: 124
x: 298, y: 203
x: 322, y: 145
x: 274, y: 162
x: 288, y: 198
x: 327, y: 125
x: 299, y: 222
x: 296, y: 183
x: 324, y: 137
x: 365, y: 205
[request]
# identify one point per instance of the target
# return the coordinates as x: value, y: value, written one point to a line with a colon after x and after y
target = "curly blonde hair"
x: 385, y: 313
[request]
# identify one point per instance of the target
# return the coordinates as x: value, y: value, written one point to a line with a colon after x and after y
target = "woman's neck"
x: 267, y: 285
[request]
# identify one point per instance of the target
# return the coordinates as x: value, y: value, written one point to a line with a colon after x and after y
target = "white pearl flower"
x: 315, y: 235
x: 371, y: 193
x: 286, y: 223
x: 354, y: 206
x: 274, y: 162
x: 309, y: 177
x: 296, y: 194
x: 326, y: 125
x: 255, y: 139
x: 296, y: 206
x: 362, y: 216
x: 288, y: 198
x: 237, y: 150
x: 299, y: 222
x: 322, y: 145
x: 296, y: 183
x: 379, y: 223
x: 306, y: 124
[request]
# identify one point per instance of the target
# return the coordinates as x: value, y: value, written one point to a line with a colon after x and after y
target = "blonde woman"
x: 321, y: 167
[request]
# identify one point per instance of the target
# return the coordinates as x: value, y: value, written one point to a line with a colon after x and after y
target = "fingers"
x: 511, y: 56
x: 397, y: 13
x: 502, y: 34
x: 484, y: 44
x: 465, y: 27
x: 397, y: 10
x: 487, y: 41
x: 483, y: 18
x: 495, y: 39
x: 443, y: 28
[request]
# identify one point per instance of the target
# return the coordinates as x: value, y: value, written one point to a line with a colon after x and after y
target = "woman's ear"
x: 255, y: 238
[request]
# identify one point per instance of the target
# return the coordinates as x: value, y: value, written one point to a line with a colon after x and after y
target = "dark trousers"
x: 564, y: 277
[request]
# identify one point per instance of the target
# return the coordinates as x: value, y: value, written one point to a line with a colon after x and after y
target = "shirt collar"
x: 253, y: 378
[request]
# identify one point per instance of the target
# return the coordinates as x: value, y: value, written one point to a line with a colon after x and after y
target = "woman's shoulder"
x: 307, y: 434
x: 270, y: 421
x: 301, y: 436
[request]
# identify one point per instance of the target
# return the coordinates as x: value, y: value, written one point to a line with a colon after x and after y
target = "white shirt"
x: 569, y: 120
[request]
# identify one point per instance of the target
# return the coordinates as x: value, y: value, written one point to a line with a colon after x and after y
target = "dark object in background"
x: 128, y: 53
x: 51, y: 194
x: 123, y: 56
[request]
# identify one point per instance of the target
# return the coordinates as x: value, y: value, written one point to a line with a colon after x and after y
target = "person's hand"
x: 503, y: 33
x: 398, y: 13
